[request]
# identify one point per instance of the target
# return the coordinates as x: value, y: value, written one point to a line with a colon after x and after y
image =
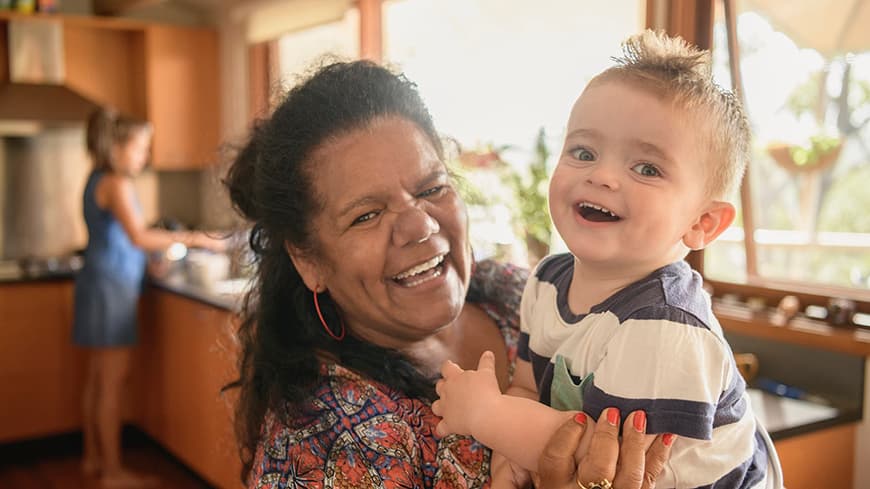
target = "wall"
x: 41, y: 190
x: 233, y: 60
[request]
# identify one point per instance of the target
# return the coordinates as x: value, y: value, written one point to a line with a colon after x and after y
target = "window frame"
x: 693, y: 20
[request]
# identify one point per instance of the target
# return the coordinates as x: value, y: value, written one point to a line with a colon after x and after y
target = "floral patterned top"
x: 363, y: 434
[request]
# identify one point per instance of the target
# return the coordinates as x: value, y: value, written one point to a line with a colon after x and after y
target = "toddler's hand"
x: 465, y: 396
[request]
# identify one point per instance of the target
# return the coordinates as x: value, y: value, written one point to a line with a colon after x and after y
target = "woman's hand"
x: 628, y: 465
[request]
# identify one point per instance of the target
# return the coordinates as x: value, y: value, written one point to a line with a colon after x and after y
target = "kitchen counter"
x: 225, y: 294
x: 784, y: 417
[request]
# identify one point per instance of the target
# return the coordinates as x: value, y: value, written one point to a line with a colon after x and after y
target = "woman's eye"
x: 432, y: 191
x: 646, y: 170
x: 368, y: 216
x: 582, y: 154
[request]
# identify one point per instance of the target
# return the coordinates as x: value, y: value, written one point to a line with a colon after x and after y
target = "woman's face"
x: 390, y: 243
x: 129, y: 157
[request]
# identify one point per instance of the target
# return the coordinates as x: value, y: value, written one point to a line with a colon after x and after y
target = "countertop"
x: 225, y: 294
x: 784, y: 417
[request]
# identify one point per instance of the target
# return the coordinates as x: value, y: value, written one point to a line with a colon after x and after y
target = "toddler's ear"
x: 715, y: 219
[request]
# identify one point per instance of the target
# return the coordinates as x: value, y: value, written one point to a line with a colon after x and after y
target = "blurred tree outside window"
x: 806, y: 81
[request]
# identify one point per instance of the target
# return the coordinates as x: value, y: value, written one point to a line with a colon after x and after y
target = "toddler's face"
x: 130, y: 157
x: 630, y: 180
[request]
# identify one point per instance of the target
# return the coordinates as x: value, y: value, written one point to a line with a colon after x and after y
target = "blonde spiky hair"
x: 671, y: 68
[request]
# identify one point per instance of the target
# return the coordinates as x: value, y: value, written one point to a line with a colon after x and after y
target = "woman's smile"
x: 422, y: 273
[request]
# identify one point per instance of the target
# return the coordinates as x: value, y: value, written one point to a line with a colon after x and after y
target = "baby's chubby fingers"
x: 438, y: 408
x: 450, y: 369
x: 487, y: 361
x: 441, y: 429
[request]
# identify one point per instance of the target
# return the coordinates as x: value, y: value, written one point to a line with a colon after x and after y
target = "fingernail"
x: 640, y: 421
x: 612, y: 416
x: 668, y: 439
x: 580, y: 418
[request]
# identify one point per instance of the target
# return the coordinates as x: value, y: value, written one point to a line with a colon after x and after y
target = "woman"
x: 365, y: 286
x: 108, y: 286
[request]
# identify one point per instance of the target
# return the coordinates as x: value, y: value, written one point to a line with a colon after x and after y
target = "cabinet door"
x: 41, y: 372
x: 183, y: 95
x: 823, y: 458
x: 105, y: 64
x: 186, y: 355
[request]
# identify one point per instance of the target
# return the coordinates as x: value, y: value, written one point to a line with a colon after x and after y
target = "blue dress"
x: 108, y: 286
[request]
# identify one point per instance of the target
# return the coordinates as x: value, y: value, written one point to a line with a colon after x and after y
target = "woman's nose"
x: 414, y: 225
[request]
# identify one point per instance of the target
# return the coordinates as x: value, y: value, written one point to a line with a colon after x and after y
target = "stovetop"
x: 40, y: 267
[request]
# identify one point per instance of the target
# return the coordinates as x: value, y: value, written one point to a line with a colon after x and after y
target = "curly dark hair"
x: 271, y: 184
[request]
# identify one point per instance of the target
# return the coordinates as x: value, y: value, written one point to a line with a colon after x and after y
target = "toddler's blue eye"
x: 646, y: 170
x: 582, y: 154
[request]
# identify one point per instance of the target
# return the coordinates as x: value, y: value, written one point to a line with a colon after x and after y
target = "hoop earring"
x: 338, y: 337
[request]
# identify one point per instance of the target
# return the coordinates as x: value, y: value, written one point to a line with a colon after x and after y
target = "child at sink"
x: 108, y: 286
x: 622, y: 323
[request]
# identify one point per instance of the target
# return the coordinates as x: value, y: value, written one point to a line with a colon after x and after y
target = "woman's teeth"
x: 420, y: 269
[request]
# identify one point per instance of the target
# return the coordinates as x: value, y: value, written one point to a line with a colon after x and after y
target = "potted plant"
x: 530, y: 190
x: 820, y: 154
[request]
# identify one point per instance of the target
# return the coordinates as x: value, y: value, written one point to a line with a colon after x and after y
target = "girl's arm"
x: 117, y: 194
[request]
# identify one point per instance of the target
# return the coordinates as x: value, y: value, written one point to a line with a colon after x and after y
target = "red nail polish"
x: 640, y: 421
x: 613, y: 416
x: 580, y: 418
x: 668, y: 439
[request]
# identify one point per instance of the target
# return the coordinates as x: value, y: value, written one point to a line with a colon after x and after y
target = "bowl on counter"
x: 205, y: 269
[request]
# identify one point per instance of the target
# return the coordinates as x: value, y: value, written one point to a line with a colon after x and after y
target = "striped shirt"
x: 654, y: 345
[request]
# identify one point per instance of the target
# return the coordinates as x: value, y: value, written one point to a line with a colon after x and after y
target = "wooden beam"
x: 262, y: 77
x: 690, y: 19
x: 745, y: 187
x: 371, y: 42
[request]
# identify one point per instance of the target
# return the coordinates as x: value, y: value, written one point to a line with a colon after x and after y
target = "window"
x: 806, y: 86
x: 493, y: 73
x: 298, y: 50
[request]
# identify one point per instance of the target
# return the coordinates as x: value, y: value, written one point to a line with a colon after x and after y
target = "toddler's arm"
x: 471, y: 404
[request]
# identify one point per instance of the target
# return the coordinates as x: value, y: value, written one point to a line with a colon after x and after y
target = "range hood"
x: 35, y: 96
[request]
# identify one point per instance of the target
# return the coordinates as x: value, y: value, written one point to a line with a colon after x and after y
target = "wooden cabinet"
x: 185, y: 356
x: 41, y: 372
x: 821, y: 458
x: 182, y: 93
x: 105, y: 64
x: 166, y: 74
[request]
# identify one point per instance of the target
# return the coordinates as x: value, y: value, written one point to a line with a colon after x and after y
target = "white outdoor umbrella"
x: 831, y: 27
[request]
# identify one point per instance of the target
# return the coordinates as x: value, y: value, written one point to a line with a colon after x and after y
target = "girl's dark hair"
x: 106, y: 128
x: 271, y: 183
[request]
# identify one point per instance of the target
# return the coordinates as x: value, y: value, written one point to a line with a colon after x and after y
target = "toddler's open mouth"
x: 596, y: 213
